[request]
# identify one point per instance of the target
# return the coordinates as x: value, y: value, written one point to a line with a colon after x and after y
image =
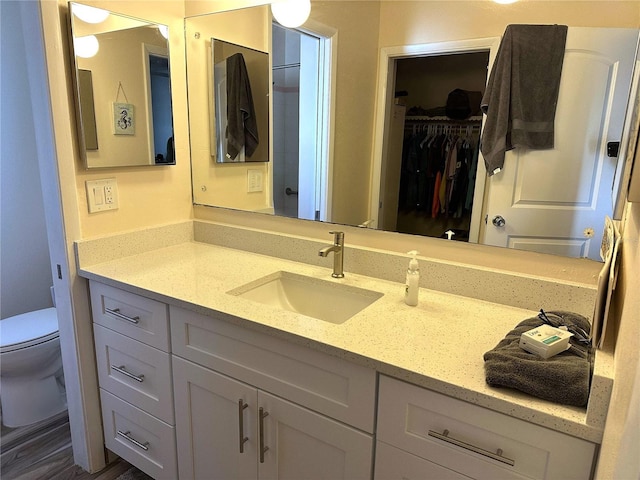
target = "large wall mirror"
x: 361, y: 83
x: 123, y: 89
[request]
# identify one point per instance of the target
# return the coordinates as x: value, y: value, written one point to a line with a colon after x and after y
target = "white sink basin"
x: 320, y: 299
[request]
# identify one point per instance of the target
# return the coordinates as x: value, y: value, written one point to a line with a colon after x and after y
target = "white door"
x: 305, y: 445
x: 209, y: 423
x: 554, y: 201
x: 308, y: 121
x: 392, y: 170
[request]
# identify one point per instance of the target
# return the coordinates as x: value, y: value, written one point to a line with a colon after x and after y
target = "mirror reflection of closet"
x: 433, y: 145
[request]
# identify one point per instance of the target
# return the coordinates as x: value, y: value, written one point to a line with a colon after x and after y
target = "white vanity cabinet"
x: 423, y: 434
x: 228, y: 429
x: 134, y: 374
x: 190, y: 396
x: 242, y: 427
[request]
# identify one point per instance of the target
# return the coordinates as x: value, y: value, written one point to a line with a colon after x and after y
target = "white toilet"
x: 31, y: 379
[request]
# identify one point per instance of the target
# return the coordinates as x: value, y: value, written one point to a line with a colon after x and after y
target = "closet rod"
x: 282, y: 67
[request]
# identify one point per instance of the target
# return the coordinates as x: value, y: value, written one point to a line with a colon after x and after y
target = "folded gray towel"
x: 522, y: 91
x: 564, y: 378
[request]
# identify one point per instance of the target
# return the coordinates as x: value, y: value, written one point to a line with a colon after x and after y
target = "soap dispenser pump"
x: 413, y: 280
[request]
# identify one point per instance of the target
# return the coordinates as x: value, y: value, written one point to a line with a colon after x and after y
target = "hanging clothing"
x: 435, y: 170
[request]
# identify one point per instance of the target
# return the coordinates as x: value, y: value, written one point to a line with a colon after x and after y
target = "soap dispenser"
x: 413, y: 281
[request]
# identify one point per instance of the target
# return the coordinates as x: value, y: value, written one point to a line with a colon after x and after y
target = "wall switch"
x: 102, y: 195
x: 254, y: 181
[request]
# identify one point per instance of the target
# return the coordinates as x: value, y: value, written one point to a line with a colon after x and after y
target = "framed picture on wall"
x: 123, y: 119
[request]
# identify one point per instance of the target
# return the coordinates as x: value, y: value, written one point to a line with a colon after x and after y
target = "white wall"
x: 619, y: 455
x: 25, y: 272
x: 147, y: 195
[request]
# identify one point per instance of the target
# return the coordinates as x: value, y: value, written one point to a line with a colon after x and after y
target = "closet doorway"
x: 437, y: 102
x: 417, y: 81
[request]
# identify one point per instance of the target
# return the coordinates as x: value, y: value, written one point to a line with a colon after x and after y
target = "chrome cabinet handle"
x: 243, y: 439
x: 143, y: 446
x: 444, y: 436
x: 116, y: 313
x: 121, y: 369
x: 262, y: 415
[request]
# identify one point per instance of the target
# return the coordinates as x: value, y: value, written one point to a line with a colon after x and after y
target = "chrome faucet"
x: 337, y: 249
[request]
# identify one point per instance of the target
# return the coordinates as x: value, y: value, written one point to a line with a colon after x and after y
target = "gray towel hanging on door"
x: 522, y: 93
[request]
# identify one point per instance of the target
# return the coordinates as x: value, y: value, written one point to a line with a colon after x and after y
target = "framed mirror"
x: 373, y: 50
x: 123, y: 89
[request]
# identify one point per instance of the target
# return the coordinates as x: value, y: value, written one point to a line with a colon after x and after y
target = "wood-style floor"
x: 43, y: 451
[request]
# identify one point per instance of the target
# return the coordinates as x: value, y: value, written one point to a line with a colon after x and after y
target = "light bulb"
x: 291, y: 13
x: 89, y: 14
x: 86, y: 47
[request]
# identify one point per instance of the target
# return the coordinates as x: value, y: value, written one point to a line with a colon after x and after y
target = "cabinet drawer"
x: 321, y: 382
x: 393, y: 463
x: 473, y: 440
x: 135, y: 372
x: 132, y: 315
x: 139, y: 438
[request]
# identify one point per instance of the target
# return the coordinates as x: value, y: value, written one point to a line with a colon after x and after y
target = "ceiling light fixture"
x: 89, y: 14
x: 291, y: 13
x: 86, y: 47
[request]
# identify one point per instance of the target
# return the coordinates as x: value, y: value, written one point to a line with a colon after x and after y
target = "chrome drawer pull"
x: 262, y: 415
x: 444, y: 436
x: 143, y: 446
x: 116, y: 313
x: 243, y: 439
x: 121, y: 369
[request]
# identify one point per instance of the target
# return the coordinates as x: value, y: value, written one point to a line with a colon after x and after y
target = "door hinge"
x: 59, y: 268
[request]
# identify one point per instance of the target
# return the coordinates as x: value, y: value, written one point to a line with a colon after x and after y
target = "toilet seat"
x: 28, y: 329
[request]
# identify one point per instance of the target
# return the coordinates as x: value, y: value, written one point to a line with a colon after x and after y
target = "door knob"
x: 498, y: 221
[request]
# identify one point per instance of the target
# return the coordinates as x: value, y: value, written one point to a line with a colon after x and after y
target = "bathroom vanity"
x: 197, y: 382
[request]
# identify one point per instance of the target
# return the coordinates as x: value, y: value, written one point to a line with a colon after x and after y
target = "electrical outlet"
x: 102, y: 195
x: 108, y: 194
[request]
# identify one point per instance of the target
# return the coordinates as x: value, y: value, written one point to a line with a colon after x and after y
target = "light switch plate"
x: 102, y: 195
x: 254, y: 181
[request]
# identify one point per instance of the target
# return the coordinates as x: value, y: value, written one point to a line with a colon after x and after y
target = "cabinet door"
x: 395, y: 464
x: 302, y: 444
x: 210, y: 423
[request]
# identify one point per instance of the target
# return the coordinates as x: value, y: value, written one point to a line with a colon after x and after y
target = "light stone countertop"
x: 438, y: 344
